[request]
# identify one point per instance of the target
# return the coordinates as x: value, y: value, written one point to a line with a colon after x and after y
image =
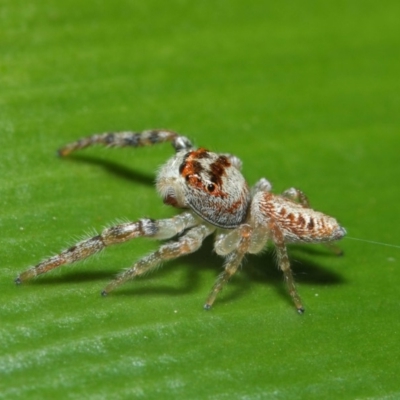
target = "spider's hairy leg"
x: 158, y: 229
x: 297, y: 195
x: 233, y: 260
x: 334, y: 248
x: 186, y: 244
x: 234, y: 160
x: 227, y: 242
x: 262, y: 185
x: 284, y: 264
x: 124, y: 139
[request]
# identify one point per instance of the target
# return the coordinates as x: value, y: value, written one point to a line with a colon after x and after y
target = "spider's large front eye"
x: 211, y: 187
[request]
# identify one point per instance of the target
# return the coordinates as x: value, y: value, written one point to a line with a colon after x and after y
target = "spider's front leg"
x: 187, y: 243
x: 158, y: 229
x: 129, y: 139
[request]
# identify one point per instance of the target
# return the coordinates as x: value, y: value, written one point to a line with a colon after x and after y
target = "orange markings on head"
x: 217, y: 169
x: 195, y: 166
x: 191, y: 166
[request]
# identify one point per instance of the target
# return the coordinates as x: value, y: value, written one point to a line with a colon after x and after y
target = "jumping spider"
x: 215, y: 198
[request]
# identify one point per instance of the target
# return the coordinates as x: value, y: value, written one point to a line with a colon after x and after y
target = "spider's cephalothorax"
x: 215, y: 197
x: 209, y: 184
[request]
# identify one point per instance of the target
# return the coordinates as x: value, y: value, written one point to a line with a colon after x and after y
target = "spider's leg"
x: 124, y: 139
x: 334, y: 248
x: 234, y: 160
x: 158, y: 229
x: 262, y: 185
x: 186, y: 244
x: 232, y: 263
x: 284, y: 265
x: 297, y: 195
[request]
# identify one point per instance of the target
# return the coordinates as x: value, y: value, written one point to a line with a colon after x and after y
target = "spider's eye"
x: 211, y: 187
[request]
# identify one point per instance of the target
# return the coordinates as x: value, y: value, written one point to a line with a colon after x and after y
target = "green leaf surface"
x: 306, y: 94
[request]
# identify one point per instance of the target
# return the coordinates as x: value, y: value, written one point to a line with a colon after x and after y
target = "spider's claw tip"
x: 104, y: 293
x: 207, y: 306
x: 301, y: 310
x: 62, y: 152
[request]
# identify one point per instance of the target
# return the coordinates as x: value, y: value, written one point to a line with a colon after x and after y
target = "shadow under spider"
x: 114, y: 168
x: 256, y: 269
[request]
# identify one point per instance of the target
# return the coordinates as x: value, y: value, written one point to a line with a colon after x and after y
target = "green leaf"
x: 306, y: 94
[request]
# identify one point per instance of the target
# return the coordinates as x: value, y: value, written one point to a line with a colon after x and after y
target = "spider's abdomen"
x: 297, y: 223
